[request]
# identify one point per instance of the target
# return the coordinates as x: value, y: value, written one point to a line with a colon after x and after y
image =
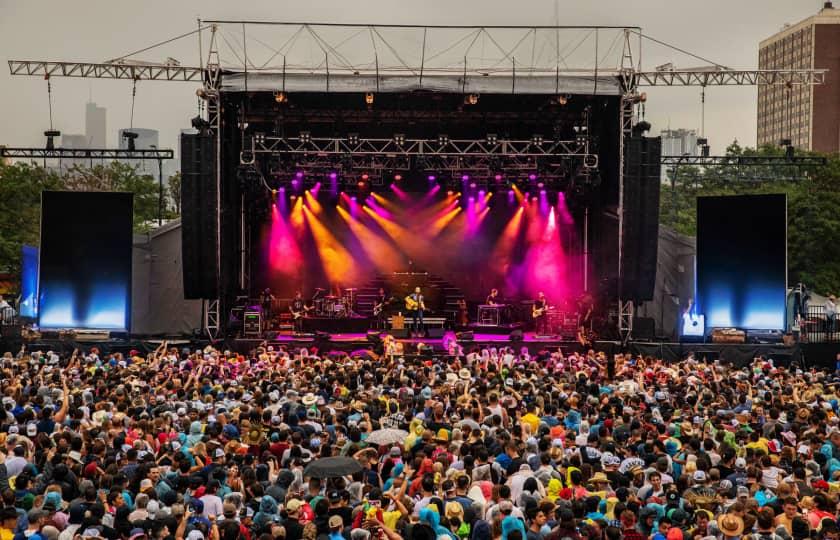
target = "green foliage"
x: 21, y: 185
x: 813, y: 203
x: 20, y: 190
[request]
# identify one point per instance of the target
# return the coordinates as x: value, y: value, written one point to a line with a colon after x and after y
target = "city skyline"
x: 167, y: 107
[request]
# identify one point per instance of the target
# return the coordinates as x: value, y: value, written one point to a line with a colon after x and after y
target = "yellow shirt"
x: 532, y: 420
x: 388, y: 518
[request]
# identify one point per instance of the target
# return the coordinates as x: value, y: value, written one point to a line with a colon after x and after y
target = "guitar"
x: 298, y: 314
x: 535, y: 313
x: 413, y: 305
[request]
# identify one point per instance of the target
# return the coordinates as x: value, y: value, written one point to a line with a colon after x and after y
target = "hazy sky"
x: 725, y: 31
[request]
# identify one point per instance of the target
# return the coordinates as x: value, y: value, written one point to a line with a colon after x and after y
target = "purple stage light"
x: 532, y: 176
x: 510, y: 193
x: 542, y: 192
x: 432, y: 178
x: 299, y: 174
x: 353, y: 198
x: 333, y: 176
x: 465, y: 177
x: 498, y: 178
x: 472, y: 185
x: 540, y: 185
x: 295, y: 183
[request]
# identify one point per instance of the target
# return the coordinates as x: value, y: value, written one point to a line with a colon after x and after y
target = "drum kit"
x: 334, y: 307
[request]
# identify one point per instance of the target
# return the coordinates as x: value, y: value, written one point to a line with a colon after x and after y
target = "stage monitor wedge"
x: 85, y: 262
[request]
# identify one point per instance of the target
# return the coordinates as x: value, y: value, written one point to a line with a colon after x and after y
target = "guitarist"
x: 298, y: 309
x: 379, y: 304
x: 539, y: 314
x: 414, y: 304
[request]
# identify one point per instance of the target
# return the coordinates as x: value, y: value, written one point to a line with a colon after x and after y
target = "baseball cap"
x: 699, y: 476
x: 293, y: 506
x: 336, y: 522
x: 229, y: 510
x: 740, y: 463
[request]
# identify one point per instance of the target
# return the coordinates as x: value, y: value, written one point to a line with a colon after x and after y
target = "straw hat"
x: 599, y: 477
x: 731, y: 525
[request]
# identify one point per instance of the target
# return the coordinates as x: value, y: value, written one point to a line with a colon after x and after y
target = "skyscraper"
x: 95, y: 126
x: 807, y: 115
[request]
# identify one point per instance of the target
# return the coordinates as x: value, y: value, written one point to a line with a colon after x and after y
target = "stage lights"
x: 471, y: 99
x: 432, y: 178
x: 369, y: 98
x: 492, y: 139
x: 353, y: 139
x: 281, y: 97
x: 443, y: 139
x: 399, y: 139
x: 51, y: 134
x: 537, y: 139
x: 129, y: 136
x: 397, y: 177
x: 305, y: 137
x: 562, y: 99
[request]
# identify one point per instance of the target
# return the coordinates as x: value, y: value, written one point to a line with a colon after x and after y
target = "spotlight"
x: 450, y: 193
x: 471, y: 99
x: 353, y: 139
x: 281, y: 97
x: 51, y: 134
x: 369, y: 98
x: 498, y: 178
x: 562, y: 99
x: 540, y: 185
x: 590, y: 161
x: 397, y: 177
x: 472, y: 185
x: 361, y: 184
x: 299, y: 174
x: 532, y: 177
x: 443, y: 139
x: 293, y: 197
x: 399, y: 139
x: 492, y: 139
x: 537, y: 140
x: 432, y: 178
x: 200, y: 123
x: 365, y: 176
x: 273, y: 193
x: 305, y: 137
x: 130, y: 137
x: 641, y: 128
x: 259, y: 138
x: 333, y: 175
x: 465, y: 177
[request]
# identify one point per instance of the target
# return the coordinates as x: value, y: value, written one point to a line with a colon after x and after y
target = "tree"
x: 813, y: 200
x: 21, y: 185
x: 174, y: 185
x: 117, y: 176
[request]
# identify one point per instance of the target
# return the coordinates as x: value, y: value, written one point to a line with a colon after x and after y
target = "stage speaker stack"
x: 199, y: 220
x: 252, y: 325
x: 642, y: 182
x: 516, y: 335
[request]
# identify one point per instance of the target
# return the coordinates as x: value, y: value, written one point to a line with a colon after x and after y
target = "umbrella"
x: 386, y: 437
x: 332, y: 467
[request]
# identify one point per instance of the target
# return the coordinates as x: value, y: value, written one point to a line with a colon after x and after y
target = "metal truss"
x: 90, y: 70
x: 753, y: 161
x: 730, y: 77
x: 418, y: 147
x: 212, y: 318
x: 86, y: 153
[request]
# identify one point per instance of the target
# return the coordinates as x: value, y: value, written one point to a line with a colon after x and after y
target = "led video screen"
x: 29, y: 282
x: 742, y: 261
x: 85, y: 264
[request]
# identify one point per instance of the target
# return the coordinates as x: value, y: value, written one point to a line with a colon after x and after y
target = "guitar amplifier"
x: 252, y: 325
x: 398, y: 322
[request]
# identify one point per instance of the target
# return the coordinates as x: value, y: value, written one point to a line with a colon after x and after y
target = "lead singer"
x: 414, y: 304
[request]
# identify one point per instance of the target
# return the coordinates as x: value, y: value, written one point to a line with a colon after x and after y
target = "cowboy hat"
x: 731, y: 525
x: 309, y: 399
x: 599, y: 478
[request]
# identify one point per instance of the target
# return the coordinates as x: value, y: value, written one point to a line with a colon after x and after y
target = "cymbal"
x: 351, y: 289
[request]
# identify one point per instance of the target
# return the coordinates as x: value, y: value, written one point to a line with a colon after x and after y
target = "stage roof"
x: 305, y: 57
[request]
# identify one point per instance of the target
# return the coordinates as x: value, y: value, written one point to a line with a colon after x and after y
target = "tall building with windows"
x: 807, y: 115
x: 95, y: 126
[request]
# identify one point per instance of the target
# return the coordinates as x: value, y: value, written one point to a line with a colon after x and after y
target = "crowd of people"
x: 485, y: 444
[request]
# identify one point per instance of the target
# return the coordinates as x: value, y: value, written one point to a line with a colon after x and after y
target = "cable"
x: 133, y: 96
x: 683, y: 51
x: 49, y: 99
x: 156, y: 45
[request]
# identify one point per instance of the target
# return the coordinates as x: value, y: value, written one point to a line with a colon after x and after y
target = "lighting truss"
x: 90, y: 70
x: 731, y: 77
x: 752, y: 161
x: 419, y: 147
x: 86, y: 153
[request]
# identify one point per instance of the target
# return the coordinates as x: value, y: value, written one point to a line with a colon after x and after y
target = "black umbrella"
x: 332, y: 467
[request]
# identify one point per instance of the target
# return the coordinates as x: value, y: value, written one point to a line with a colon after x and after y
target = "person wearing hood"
x: 430, y: 517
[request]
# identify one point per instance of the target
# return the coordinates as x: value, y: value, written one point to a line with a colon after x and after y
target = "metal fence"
x: 816, y: 327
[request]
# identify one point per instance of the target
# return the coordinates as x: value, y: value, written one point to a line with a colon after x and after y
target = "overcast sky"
x: 725, y: 31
